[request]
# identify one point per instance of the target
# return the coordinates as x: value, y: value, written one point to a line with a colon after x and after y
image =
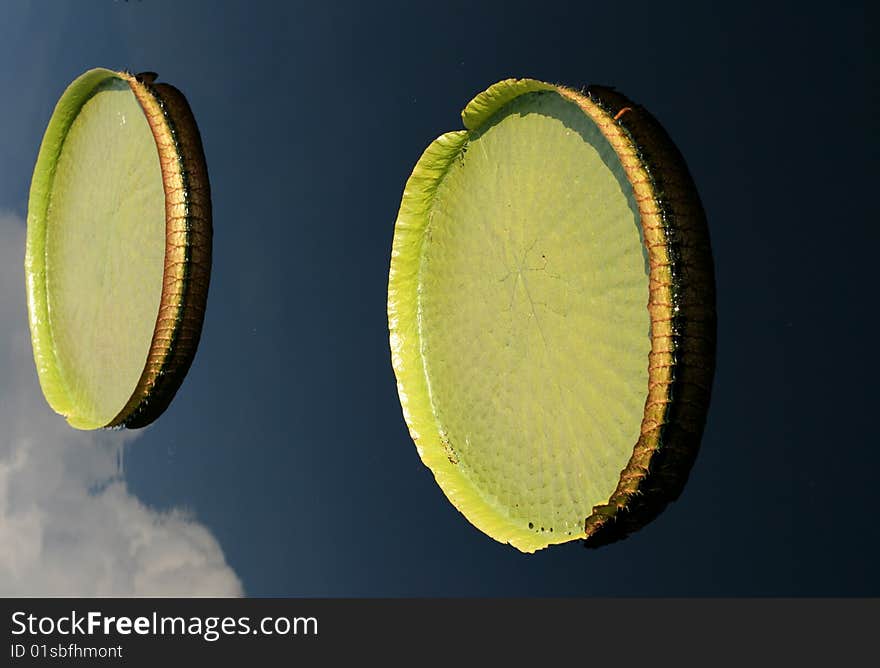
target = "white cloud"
x: 68, y: 524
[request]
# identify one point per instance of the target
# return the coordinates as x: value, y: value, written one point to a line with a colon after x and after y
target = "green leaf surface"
x: 517, y: 308
x: 95, y: 249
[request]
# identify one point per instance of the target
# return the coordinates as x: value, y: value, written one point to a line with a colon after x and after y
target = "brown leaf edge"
x: 188, y: 247
x: 683, y: 316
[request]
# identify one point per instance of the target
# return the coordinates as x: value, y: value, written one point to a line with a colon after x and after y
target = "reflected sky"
x: 69, y: 525
x: 284, y: 467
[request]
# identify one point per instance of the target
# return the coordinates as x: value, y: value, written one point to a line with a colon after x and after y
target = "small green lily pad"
x: 118, y: 249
